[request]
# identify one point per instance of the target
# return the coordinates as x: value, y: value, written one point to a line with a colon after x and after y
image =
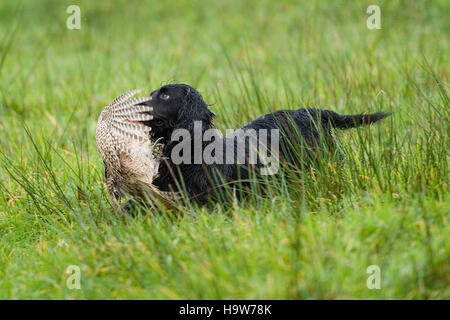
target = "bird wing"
x: 119, y: 122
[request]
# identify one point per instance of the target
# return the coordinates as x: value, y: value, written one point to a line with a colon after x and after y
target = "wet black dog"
x: 179, y: 107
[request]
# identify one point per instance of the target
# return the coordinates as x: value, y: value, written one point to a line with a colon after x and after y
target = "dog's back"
x: 308, y: 127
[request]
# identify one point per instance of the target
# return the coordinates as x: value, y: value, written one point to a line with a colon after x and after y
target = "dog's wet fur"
x: 178, y: 106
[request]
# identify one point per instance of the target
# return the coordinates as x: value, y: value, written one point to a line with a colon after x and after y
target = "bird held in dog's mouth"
x: 130, y: 158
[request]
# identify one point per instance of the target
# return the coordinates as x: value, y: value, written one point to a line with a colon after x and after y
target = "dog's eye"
x: 164, y: 96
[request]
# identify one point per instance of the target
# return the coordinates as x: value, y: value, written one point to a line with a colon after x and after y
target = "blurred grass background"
x: 314, y: 236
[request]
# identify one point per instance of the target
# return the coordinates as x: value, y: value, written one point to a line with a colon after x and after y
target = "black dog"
x: 179, y: 106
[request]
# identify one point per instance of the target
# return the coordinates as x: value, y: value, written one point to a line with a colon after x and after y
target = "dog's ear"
x: 193, y: 109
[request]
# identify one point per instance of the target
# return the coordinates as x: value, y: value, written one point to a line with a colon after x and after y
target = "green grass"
x: 316, y: 231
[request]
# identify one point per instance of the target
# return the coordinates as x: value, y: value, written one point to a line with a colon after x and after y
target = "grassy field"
x: 315, y: 232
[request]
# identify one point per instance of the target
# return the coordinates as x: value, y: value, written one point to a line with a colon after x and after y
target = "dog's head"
x: 177, y: 106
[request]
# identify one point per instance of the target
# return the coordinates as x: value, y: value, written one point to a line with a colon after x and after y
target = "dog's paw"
x: 131, y: 207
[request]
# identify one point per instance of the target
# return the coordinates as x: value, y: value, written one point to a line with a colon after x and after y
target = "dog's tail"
x: 343, y: 121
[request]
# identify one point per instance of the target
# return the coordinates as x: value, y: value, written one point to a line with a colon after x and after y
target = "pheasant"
x: 128, y: 155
